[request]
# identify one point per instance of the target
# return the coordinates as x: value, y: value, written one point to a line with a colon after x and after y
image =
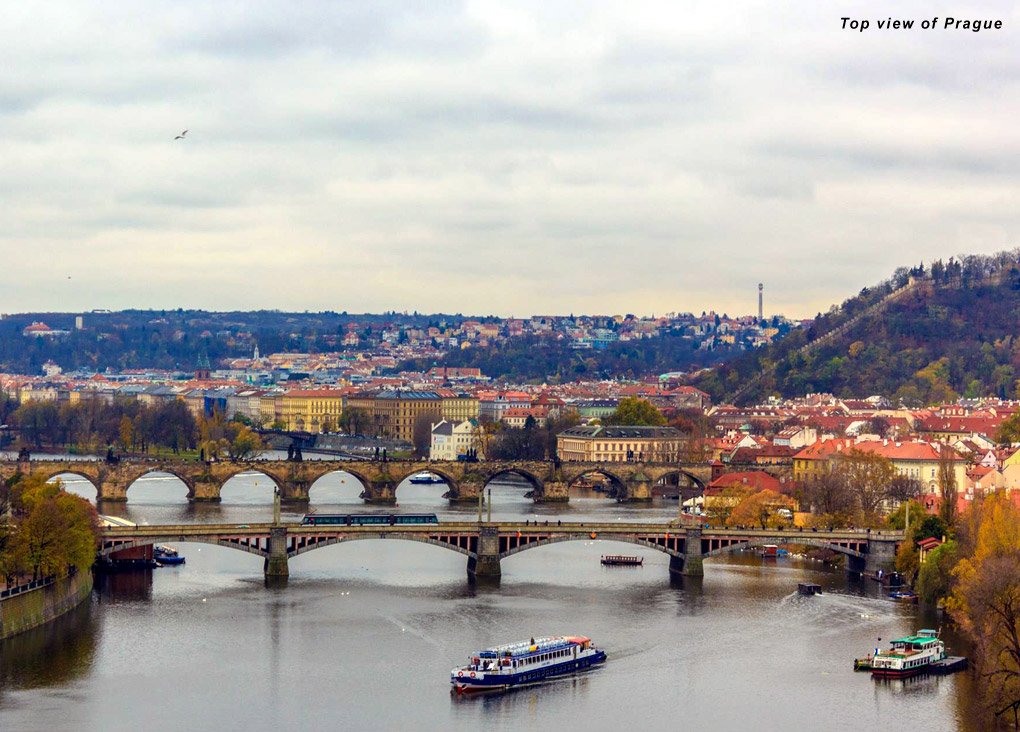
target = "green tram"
x: 367, y: 519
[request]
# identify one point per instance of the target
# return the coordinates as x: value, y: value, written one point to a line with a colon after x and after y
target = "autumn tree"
x: 986, y: 603
x: 52, y: 530
x: 761, y: 509
x: 1009, y: 430
x: 634, y: 411
x: 243, y: 443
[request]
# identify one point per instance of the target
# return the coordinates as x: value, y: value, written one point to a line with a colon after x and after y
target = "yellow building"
x: 457, y: 408
x: 309, y: 410
x: 394, y: 413
x: 618, y: 444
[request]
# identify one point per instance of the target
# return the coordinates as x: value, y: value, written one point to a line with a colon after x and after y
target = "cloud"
x: 480, y: 156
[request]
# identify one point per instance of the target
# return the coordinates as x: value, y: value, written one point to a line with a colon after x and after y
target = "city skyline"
x: 529, y: 159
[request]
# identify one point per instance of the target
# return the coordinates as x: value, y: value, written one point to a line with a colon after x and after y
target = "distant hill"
x: 921, y: 337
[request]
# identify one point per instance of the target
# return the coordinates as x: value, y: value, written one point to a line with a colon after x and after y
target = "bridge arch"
x: 618, y: 488
x: 581, y: 537
x: 91, y: 480
x: 362, y: 486
x: 180, y: 475
x: 297, y: 550
x: 537, y: 485
x: 680, y: 475
x: 252, y: 494
x: 752, y: 542
x: 251, y: 546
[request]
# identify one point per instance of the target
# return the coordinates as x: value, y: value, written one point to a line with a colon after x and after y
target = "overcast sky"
x: 495, y: 156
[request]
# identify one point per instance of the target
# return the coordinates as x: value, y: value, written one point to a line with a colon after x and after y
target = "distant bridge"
x: 487, y: 543
x: 550, y: 481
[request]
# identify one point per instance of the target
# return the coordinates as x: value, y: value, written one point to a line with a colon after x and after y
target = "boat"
x: 425, y: 478
x: 769, y: 551
x: 908, y: 597
x: 165, y: 555
x: 519, y: 664
x: 809, y: 588
x: 622, y: 560
x: 909, y: 656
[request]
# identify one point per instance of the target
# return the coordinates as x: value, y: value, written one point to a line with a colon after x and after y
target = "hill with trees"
x: 921, y: 337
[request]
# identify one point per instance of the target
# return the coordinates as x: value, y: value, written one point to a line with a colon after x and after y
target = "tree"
x: 421, y: 435
x: 354, y: 421
x: 830, y: 499
x: 127, y: 433
x: 243, y: 442
x: 53, y: 530
x: 762, y: 509
x: 936, y: 572
x: 634, y: 411
x: 986, y: 603
x: 947, y: 485
x: 868, y: 477
x: 1009, y: 430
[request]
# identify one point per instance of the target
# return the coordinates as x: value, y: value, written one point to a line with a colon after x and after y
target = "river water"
x: 363, y: 635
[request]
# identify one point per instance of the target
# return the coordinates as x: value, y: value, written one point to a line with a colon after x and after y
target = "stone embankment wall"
x: 34, y: 608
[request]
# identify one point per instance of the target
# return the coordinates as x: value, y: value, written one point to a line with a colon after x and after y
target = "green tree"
x: 634, y: 411
x: 1009, y: 430
x: 936, y: 573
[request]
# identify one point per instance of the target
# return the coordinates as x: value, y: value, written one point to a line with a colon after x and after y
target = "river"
x: 363, y: 635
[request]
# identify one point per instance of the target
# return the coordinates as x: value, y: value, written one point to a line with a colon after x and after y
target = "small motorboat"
x: 166, y: 555
x: 908, y: 597
x: 809, y: 588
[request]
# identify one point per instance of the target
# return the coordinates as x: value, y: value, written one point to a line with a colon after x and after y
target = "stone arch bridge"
x: 487, y: 544
x: 550, y: 481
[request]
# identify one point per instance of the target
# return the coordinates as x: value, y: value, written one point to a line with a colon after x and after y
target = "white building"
x: 452, y: 440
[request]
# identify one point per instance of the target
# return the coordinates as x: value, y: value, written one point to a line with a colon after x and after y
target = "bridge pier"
x: 881, y: 554
x: 484, y: 566
x: 552, y: 492
x: 692, y: 562
x: 381, y: 492
x: 276, y: 563
x: 639, y: 489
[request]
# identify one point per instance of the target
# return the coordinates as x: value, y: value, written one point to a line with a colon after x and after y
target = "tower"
x: 761, y: 312
x: 256, y: 356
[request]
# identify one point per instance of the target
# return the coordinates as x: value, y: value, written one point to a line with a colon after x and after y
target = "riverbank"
x: 30, y: 609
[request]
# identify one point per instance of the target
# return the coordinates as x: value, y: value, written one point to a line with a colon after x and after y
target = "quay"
x: 486, y: 544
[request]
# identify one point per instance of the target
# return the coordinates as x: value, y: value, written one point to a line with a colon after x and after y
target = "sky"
x: 493, y: 156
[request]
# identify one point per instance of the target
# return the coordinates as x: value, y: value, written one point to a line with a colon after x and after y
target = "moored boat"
x: 909, y: 656
x: 517, y: 664
x: 908, y: 597
x: 166, y: 555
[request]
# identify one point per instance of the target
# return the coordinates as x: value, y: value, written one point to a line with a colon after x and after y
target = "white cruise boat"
x: 517, y: 664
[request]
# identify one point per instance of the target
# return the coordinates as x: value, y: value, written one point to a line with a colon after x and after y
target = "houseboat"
x: 909, y: 656
x: 518, y: 664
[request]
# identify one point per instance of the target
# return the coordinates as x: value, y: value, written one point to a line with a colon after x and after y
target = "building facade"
x: 619, y: 444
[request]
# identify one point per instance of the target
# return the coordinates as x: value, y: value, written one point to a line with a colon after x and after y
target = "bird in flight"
x: 181, y: 136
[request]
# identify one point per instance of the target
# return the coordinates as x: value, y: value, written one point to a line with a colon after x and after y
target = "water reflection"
x: 55, y: 654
